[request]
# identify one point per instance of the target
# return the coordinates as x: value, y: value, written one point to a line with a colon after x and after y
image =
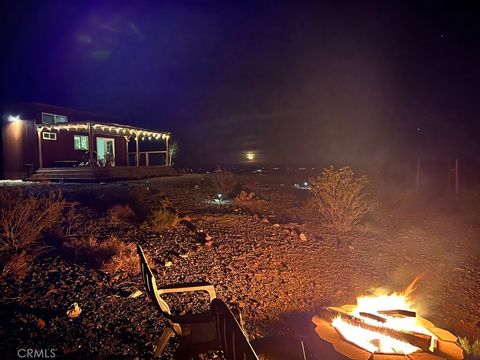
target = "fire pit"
x: 385, y: 326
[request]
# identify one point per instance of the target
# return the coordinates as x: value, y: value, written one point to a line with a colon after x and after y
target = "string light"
x: 107, y: 128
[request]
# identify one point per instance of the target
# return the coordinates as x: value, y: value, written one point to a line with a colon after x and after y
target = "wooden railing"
x: 147, y: 156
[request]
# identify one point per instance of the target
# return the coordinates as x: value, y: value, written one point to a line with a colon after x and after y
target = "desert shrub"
x: 124, y: 261
x: 119, y: 214
x: 24, y: 216
x: 18, y: 264
x: 71, y: 218
x: 338, y: 197
x: 143, y: 199
x: 110, y: 255
x: 162, y: 219
x: 470, y: 348
x: 224, y: 182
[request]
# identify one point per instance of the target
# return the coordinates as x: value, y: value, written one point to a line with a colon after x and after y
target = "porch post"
x: 137, y: 148
x: 167, y: 162
x: 90, y: 143
x: 126, y: 145
x: 39, y: 139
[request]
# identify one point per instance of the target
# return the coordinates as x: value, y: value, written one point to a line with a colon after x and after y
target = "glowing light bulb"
x: 12, y: 118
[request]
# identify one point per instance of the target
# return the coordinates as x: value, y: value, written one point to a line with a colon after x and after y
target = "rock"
x: 302, y: 237
x: 245, y: 196
x: 265, y: 221
x: 74, y: 311
x: 276, y: 225
x: 135, y: 294
x: 40, y: 324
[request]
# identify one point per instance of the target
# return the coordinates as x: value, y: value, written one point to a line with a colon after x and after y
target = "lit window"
x: 60, y: 119
x: 48, y: 118
x: 80, y: 142
x: 49, y: 136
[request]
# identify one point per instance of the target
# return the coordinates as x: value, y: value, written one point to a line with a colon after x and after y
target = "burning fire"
x: 381, y: 314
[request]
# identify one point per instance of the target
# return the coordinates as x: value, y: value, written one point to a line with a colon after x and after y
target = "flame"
x: 372, y: 304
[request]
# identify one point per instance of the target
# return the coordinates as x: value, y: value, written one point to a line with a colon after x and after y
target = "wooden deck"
x: 98, y: 174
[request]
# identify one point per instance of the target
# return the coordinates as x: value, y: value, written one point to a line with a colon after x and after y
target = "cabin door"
x: 106, y: 151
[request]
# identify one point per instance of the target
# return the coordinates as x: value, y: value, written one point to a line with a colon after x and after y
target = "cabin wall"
x: 18, y: 149
x: 63, y: 149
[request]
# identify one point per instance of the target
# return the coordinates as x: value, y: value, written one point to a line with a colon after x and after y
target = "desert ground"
x: 269, y: 256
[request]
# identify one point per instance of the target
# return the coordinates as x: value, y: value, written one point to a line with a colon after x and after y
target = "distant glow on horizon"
x: 250, y: 156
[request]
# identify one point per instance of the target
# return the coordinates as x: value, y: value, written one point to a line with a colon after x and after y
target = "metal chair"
x: 196, y: 332
x: 236, y: 346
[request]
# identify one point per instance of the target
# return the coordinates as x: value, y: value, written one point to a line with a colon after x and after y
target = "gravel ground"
x: 268, y: 258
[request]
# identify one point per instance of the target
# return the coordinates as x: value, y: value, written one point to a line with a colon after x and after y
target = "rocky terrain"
x: 267, y: 256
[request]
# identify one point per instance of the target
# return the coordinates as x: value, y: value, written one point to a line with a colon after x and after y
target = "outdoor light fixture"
x: 12, y: 118
x: 250, y: 156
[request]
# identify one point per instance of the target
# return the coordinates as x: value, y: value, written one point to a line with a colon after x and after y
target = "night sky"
x: 291, y: 82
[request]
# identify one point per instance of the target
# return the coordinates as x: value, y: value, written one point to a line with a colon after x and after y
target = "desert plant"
x: 71, y: 218
x: 119, y: 214
x: 470, y: 348
x: 162, y: 219
x: 110, y: 255
x: 125, y: 260
x: 18, y: 264
x: 172, y: 152
x: 224, y: 182
x: 24, y: 216
x: 338, y: 197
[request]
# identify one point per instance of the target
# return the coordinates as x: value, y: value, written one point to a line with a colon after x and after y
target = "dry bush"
x: 124, y: 261
x: 120, y: 214
x: 470, y: 348
x: 16, y: 266
x: 162, y: 219
x: 71, y: 218
x: 24, y: 216
x: 142, y: 200
x: 339, y: 198
x: 224, y: 182
x: 110, y: 255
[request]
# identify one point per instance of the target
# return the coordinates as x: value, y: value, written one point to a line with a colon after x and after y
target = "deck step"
x: 96, y: 174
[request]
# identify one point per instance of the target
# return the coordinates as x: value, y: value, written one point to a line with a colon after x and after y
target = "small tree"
x: 339, y: 198
x: 172, y: 152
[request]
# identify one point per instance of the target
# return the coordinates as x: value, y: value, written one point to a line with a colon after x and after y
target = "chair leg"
x: 162, y: 342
